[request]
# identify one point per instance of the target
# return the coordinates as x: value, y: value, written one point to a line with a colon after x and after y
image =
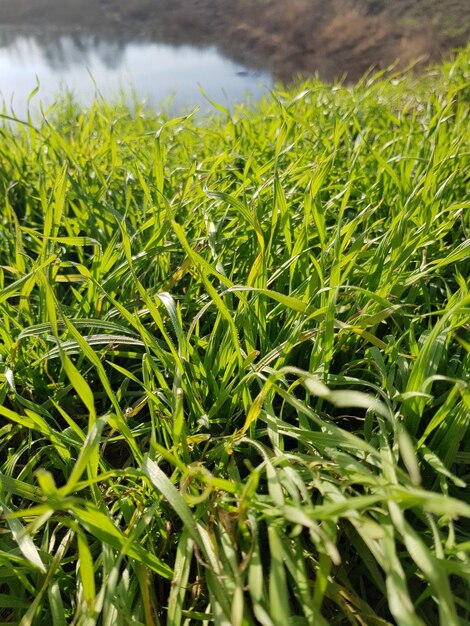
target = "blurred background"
x: 171, y: 48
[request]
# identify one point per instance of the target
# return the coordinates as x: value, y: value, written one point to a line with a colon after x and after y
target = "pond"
x: 87, y: 65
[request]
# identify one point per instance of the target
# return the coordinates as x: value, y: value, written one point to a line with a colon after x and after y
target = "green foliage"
x: 234, y: 361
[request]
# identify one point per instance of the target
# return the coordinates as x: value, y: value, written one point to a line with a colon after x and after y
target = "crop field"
x: 234, y: 360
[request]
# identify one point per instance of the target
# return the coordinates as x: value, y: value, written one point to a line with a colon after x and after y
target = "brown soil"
x: 333, y: 38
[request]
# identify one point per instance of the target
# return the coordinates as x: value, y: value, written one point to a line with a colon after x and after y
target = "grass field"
x: 234, y: 361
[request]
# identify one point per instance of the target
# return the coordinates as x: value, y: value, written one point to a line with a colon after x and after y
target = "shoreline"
x: 344, y: 40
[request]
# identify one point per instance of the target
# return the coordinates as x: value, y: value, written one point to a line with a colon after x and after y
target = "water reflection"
x: 83, y: 63
x: 61, y: 51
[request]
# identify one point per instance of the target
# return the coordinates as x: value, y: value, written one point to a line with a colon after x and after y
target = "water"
x: 86, y: 65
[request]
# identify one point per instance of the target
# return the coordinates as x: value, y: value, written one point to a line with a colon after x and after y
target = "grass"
x: 234, y: 360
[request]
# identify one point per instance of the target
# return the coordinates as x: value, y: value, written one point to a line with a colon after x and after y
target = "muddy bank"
x: 289, y: 37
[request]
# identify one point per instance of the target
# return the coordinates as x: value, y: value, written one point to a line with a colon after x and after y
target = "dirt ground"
x: 333, y: 38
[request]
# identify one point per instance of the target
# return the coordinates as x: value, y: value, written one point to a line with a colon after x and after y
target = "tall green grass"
x: 234, y: 361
